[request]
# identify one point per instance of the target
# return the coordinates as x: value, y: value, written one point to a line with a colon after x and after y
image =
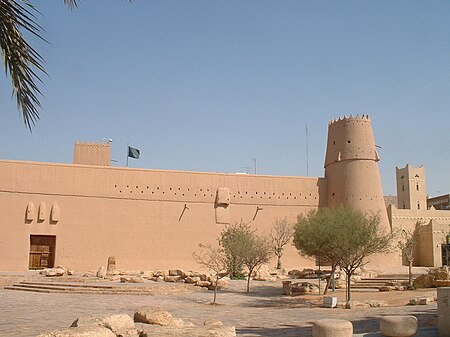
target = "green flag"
x: 133, y: 153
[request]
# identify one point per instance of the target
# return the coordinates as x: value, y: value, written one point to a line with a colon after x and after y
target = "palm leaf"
x: 20, y: 59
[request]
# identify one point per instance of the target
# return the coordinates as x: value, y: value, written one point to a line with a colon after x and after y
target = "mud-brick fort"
x: 79, y: 214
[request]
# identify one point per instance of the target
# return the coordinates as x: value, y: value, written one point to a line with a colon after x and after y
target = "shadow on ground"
x: 282, y: 330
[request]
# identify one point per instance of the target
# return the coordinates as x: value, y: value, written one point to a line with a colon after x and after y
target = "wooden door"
x: 42, y: 251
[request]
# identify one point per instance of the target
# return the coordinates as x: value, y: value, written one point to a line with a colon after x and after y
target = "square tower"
x: 411, y: 187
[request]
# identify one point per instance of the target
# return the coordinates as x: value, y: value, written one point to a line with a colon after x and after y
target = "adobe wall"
x: 435, y: 224
x: 146, y: 218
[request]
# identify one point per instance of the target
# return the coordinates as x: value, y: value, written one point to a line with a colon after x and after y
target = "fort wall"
x: 146, y: 218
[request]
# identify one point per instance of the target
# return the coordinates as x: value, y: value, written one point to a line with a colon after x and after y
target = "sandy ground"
x: 263, y: 312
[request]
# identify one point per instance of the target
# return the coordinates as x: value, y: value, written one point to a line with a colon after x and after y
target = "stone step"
x: 78, y: 289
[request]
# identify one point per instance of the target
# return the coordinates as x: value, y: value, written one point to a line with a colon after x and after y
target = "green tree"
x: 213, y: 259
x: 314, y: 237
x: 342, y: 236
x: 235, y: 240
x: 361, y: 236
x: 258, y: 251
x: 281, y: 234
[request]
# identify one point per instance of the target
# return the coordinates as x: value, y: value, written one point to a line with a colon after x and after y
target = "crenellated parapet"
x: 350, y: 118
x: 350, y: 138
x: 87, y: 153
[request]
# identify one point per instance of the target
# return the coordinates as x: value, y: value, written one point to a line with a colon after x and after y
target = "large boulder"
x: 101, y: 272
x: 424, y: 281
x: 121, y: 324
x: 54, y: 272
x: 153, y: 315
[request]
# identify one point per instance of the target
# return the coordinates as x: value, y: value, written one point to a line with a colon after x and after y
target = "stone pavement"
x: 264, y: 312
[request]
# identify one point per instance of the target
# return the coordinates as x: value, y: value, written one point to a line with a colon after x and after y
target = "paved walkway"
x: 263, y: 313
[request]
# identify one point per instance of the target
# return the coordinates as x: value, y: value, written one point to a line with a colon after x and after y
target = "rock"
x: 441, y: 273
x: 120, y: 324
x: 162, y: 273
x: 341, y: 305
x: 176, y: 272
x: 53, y: 272
x: 376, y: 303
x: 89, y: 331
x: 213, y: 322
x: 132, y: 280
x: 101, y: 272
x: 425, y: 300
x: 356, y: 305
x: 305, y: 288
x: 204, y: 284
x: 398, y: 326
x: 424, y: 281
x: 70, y: 272
x: 222, y: 283
x: 173, y: 278
x: 89, y: 274
x: 204, y: 277
x: 153, y: 315
x: 192, y: 279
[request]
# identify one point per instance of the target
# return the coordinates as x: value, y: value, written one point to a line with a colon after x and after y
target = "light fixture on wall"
x: 182, y: 212
x: 256, y: 212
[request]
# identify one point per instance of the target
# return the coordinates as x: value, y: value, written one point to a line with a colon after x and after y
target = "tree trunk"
x: 248, y: 280
x: 278, y: 262
x: 349, y: 275
x: 327, y: 286
x: 215, y: 289
x: 410, y: 273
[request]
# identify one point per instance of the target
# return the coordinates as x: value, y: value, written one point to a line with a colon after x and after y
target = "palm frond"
x: 71, y: 3
x: 20, y: 59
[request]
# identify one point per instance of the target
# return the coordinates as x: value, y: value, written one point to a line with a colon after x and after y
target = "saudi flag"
x: 133, y: 153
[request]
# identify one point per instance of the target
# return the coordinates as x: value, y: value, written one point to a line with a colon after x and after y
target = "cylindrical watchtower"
x: 351, y: 167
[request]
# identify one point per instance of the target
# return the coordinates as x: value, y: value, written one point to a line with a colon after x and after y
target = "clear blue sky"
x: 209, y: 85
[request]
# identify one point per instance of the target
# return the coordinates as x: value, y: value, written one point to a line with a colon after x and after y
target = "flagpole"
x: 128, y: 149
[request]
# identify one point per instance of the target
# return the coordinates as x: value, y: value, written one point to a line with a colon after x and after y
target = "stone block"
x: 329, y: 301
x: 398, y: 326
x: 443, y: 307
x: 332, y: 328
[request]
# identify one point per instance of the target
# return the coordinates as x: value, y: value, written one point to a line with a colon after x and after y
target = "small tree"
x: 235, y: 240
x: 408, y: 243
x: 314, y: 236
x: 360, y: 236
x: 213, y: 259
x: 281, y: 234
x: 341, y: 236
x: 258, y: 252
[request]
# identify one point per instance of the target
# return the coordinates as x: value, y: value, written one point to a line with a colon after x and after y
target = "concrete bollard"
x: 287, y: 287
x: 398, y: 326
x: 332, y: 328
x: 443, y: 304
